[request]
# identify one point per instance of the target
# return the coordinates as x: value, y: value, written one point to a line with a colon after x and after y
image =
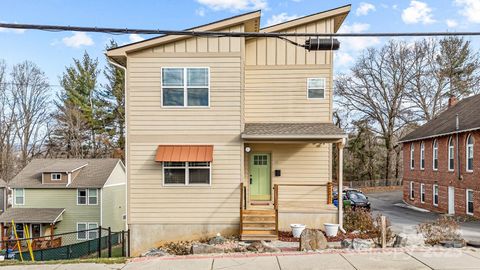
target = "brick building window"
x: 422, y: 193
x: 435, y: 155
x: 422, y: 156
x: 451, y: 158
x: 412, y: 190
x: 412, y: 157
x: 469, y: 201
x: 469, y: 153
x: 435, y: 195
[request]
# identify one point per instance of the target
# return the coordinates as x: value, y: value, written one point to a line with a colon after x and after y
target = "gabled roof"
x: 93, y: 175
x: 66, y: 166
x: 252, y: 17
x: 468, y: 111
x: 292, y: 131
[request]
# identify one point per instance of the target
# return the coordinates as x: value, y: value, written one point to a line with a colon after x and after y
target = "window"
x: 470, y: 153
x: 186, y: 173
x: 412, y: 156
x: 435, y: 155
x: 422, y: 193
x: 19, y: 196
x: 56, y: 176
x: 185, y: 87
x: 412, y: 191
x: 19, y: 230
x: 422, y: 156
x: 435, y: 195
x: 91, y: 194
x: 451, y: 160
x: 86, y: 230
x: 316, y: 87
x: 469, y: 201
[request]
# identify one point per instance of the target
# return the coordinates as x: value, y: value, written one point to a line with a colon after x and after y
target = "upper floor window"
x: 19, y: 196
x: 435, y: 155
x: 87, y: 196
x: 412, y: 156
x: 422, y: 156
x: 56, y: 176
x: 451, y: 159
x: 469, y: 153
x: 316, y: 87
x: 185, y: 87
x: 186, y: 173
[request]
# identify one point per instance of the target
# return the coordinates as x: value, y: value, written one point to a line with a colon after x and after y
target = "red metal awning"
x: 184, y: 153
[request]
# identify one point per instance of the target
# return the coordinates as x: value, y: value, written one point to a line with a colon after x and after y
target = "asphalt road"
x: 405, y: 219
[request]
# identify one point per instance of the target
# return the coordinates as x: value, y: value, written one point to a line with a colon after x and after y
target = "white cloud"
x: 135, y: 38
x: 395, y: 7
x: 357, y: 43
x: 470, y: 9
x: 417, y: 12
x: 11, y: 30
x: 343, y: 58
x: 451, y: 23
x: 78, y: 40
x: 279, y: 18
x: 200, y: 12
x: 234, y: 5
x: 364, y: 8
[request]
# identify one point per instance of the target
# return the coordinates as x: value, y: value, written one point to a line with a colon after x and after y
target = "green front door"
x: 260, y: 185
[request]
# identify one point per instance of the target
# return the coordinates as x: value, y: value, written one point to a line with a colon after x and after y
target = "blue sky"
x: 52, y: 51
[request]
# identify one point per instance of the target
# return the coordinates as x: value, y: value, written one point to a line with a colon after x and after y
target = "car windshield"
x: 357, y: 195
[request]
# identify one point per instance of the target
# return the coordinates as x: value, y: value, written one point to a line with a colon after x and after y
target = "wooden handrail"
x: 302, y: 185
x: 275, y: 205
x: 329, y: 193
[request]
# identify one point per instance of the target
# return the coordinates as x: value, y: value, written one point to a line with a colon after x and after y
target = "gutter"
x: 111, y: 61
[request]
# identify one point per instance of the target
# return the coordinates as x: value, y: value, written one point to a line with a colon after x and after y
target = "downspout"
x: 126, y: 138
x: 457, y: 127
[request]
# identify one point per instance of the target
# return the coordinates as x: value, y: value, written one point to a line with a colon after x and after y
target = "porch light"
x: 248, y: 149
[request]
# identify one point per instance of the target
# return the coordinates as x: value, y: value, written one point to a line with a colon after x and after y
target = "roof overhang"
x: 32, y: 215
x: 439, y: 135
x: 311, y: 132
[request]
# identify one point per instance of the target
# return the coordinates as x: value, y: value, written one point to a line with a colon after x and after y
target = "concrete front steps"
x: 258, y: 225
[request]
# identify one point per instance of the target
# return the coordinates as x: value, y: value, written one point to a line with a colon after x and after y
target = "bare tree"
x: 375, y: 90
x: 30, y: 93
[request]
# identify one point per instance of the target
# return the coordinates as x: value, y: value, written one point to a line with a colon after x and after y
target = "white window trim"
x: 435, y: 154
x: 412, y: 156
x: 412, y: 186
x: 324, y: 88
x: 87, y: 230
x: 187, y: 184
x: 53, y: 179
x: 185, y: 91
x: 466, y: 202
x: 450, y: 140
x: 433, y: 196
x: 422, y: 193
x: 15, y: 196
x: 466, y: 153
x: 96, y: 228
x: 87, y: 201
x: 422, y: 156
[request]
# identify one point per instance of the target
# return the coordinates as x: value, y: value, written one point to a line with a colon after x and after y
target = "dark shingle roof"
x: 93, y: 175
x: 292, y: 131
x: 32, y: 215
x: 67, y: 165
x: 468, y: 111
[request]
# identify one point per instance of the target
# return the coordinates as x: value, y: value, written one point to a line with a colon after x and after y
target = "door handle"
x: 251, y: 179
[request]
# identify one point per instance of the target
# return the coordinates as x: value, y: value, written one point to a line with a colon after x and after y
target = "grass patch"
x: 120, y: 260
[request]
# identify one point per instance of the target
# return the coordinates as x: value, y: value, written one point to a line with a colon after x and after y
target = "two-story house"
x: 229, y: 135
x: 441, y: 161
x: 54, y: 196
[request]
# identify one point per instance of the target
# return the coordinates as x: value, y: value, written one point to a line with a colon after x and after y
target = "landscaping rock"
x: 361, y: 244
x: 346, y: 243
x: 453, y: 244
x: 312, y: 240
x: 205, y: 249
x: 217, y: 240
x: 261, y: 246
x: 154, y: 252
x: 474, y: 244
x: 400, y: 240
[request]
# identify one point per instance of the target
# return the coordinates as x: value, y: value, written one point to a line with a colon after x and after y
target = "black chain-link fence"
x: 100, y: 242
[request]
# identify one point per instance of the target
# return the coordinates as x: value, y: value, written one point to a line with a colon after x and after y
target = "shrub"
x: 443, y: 229
x: 360, y: 220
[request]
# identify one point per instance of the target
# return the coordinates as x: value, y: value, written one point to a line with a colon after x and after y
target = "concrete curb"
x: 409, y: 206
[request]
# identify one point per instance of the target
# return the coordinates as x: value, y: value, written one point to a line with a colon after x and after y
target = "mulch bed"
x: 288, y: 237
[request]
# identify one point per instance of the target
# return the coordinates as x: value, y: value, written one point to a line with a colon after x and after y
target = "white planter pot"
x: 297, y: 229
x: 331, y: 229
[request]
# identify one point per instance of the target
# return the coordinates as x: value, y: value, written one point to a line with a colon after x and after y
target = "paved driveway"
x: 405, y: 219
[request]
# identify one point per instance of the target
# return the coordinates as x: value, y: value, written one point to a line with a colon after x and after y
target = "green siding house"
x: 54, y: 196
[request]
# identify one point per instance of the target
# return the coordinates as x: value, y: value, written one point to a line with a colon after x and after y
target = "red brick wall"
x: 443, y: 177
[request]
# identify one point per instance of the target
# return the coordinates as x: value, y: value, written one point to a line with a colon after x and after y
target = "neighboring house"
x: 216, y: 123
x: 54, y: 196
x: 442, y: 161
x: 3, y: 196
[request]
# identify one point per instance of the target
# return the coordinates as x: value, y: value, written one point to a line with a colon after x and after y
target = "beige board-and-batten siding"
x: 173, y: 213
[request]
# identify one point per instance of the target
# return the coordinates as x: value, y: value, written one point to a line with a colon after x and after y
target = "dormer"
x: 62, y: 173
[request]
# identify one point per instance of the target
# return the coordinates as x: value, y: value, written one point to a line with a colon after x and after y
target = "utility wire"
x: 59, y: 28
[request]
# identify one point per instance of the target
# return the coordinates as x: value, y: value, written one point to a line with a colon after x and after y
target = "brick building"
x: 442, y: 161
